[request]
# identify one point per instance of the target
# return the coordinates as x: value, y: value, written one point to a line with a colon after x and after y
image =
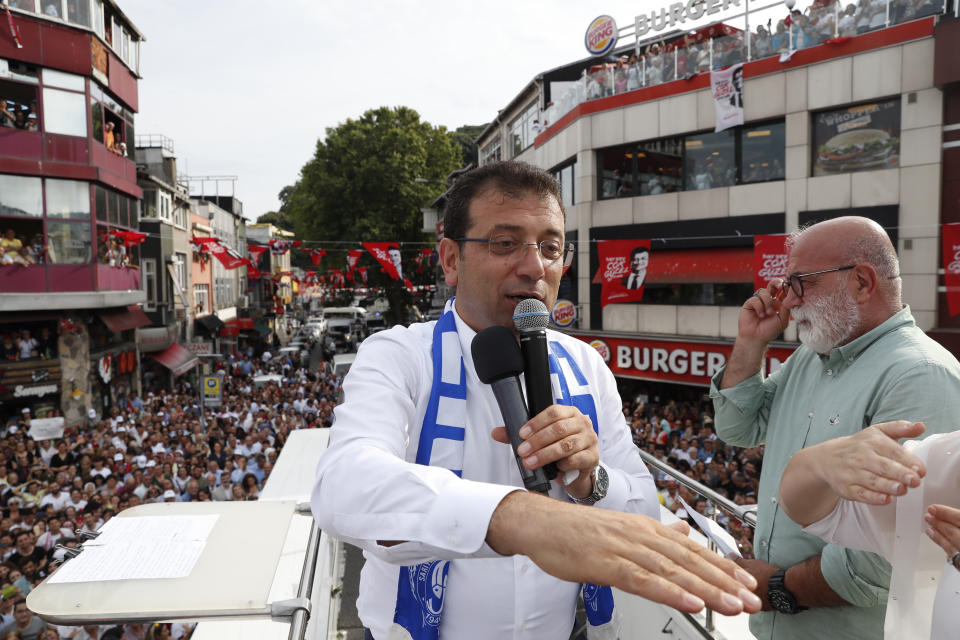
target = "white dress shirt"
x: 896, y: 531
x: 369, y: 489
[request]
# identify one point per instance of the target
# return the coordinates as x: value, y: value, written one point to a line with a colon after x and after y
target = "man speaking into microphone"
x: 421, y: 475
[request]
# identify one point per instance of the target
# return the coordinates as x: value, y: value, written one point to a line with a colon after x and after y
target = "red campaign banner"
x: 316, y: 255
x: 623, y: 269
x: 279, y: 247
x: 363, y: 274
x: 353, y: 255
x: 384, y: 252
x: 256, y: 251
x: 130, y: 238
x: 672, y: 360
x: 253, y: 273
x: 769, y: 259
x: 228, y: 258
x: 951, y: 265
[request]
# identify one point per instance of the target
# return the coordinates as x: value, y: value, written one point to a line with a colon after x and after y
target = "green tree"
x: 466, y: 137
x: 361, y: 185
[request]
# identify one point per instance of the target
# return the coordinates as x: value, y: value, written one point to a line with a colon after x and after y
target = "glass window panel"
x: 24, y: 5
x: 21, y: 196
x: 128, y: 139
x: 100, y: 198
x: 68, y: 242
x: 616, y: 172
x: 134, y: 213
x: 23, y: 72
x: 62, y: 80
x: 78, y: 12
x: 98, y: 17
x: 52, y: 8
x: 115, y: 30
x: 123, y: 217
x: 149, y: 203
x: 113, y: 206
x: 710, y: 160
x: 64, y: 112
x: 96, y: 113
x: 68, y: 199
x: 762, y: 148
x: 18, y: 102
x: 659, y: 166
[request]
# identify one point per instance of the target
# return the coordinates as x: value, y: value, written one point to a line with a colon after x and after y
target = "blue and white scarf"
x: 421, y: 587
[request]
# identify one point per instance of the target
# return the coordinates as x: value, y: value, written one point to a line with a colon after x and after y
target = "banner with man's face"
x: 769, y: 259
x: 727, y: 88
x: 951, y: 265
x: 623, y: 270
x: 388, y: 255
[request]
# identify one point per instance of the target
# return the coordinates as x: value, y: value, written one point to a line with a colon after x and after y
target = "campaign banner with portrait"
x: 388, y: 255
x: 769, y: 259
x: 857, y: 138
x: 951, y: 265
x: 623, y: 269
x: 727, y: 88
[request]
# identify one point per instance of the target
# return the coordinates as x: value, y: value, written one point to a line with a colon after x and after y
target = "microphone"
x: 531, y: 318
x: 499, y: 363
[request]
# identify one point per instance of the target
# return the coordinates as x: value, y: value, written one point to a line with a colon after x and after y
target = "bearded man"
x: 862, y: 361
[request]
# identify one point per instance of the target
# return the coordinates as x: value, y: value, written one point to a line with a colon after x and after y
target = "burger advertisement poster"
x: 858, y: 138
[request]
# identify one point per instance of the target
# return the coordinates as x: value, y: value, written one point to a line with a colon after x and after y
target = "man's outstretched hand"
x: 631, y: 552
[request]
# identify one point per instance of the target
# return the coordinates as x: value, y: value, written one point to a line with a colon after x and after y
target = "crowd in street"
x: 160, y: 448
x: 681, y: 433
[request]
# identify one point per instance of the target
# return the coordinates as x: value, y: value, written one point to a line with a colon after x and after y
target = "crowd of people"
x: 16, y: 250
x: 681, y: 433
x: 160, y: 448
x: 18, y: 115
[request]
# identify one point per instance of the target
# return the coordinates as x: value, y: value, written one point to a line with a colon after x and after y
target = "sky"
x: 247, y: 88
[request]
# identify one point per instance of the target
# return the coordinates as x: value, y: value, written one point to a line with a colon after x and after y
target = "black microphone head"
x: 496, y: 354
x: 530, y: 314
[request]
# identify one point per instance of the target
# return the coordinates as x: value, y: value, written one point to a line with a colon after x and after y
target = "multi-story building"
x: 275, y: 290
x: 225, y: 216
x: 68, y: 192
x: 632, y: 140
x: 207, y: 325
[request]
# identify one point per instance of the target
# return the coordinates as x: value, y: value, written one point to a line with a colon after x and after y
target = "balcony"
x: 69, y: 286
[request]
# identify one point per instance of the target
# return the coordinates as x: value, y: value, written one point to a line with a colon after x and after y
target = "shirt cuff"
x: 460, y: 516
x: 859, y: 577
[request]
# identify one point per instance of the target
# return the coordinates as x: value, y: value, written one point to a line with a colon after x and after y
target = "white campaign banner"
x: 46, y: 428
x: 727, y: 87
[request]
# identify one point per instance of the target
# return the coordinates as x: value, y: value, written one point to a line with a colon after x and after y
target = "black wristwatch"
x: 779, y: 596
x: 601, y: 482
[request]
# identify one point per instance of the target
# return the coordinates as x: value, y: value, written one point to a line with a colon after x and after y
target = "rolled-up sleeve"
x: 741, y: 412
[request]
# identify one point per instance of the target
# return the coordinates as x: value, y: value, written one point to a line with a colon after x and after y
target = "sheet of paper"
x: 725, y: 542
x: 140, y: 549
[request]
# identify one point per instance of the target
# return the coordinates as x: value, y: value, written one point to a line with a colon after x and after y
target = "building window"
x: 742, y: 155
x: 18, y: 104
x: 179, y: 216
x: 522, y: 130
x: 68, y: 199
x: 68, y: 242
x: 201, y: 298
x: 64, y: 112
x: 21, y: 197
x: 490, y: 152
x: 164, y: 210
x: 566, y: 176
x: 149, y: 270
x: 180, y: 268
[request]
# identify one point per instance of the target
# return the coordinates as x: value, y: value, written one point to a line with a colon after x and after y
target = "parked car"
x: 346, y: 334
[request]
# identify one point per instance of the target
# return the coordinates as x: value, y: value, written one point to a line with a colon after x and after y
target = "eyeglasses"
x: 795, y: 281
x: 506, y: 246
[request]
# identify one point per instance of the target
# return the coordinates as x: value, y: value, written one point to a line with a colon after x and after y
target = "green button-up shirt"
x: 894, y: 372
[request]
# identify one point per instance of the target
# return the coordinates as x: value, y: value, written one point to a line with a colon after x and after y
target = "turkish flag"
x: 380, y: 251
x: 769, y: 259
x: 951, y: 265
x: 623, y: 269
x: 256, y: 251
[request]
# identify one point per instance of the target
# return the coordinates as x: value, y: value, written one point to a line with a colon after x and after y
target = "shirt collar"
x: 847, y: 353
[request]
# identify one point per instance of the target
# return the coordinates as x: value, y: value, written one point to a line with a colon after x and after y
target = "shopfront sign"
x: 671, y: 360
x: 678, y: 13
x: 200, y: 348
x: 564, y: 313
x: 21, y: 391
x: 601, y: 36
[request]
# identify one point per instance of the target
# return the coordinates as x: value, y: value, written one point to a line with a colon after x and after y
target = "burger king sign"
x: 601, y: 36
x: 564, y: 313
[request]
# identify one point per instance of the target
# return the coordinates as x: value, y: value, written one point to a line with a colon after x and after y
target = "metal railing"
x: 152, y: 140
x: 731, y: 42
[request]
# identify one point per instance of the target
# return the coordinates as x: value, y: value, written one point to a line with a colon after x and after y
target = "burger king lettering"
x: 671, y: 360
x: 678, y: 13
x: 601, y: 36
x: 564, y: 313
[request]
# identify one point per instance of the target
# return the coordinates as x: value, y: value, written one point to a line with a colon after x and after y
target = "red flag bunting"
x: 769, y: 259
x: 130, y: 238
x: 623, y: 268
x: 353, y: 255
x: 256, y: 251
x: 386, y: 253
x: 951, y: 265
x: 363, y: 274
x: 316, y: 255
x: 229, y: 258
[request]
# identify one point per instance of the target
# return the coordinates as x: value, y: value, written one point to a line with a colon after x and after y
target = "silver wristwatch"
x: 601, y: 482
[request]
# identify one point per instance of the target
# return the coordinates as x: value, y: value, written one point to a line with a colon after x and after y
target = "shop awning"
x: 177, y: 359
x: 130, y: 318
x: 674, y: 266
x: 211, y: 323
